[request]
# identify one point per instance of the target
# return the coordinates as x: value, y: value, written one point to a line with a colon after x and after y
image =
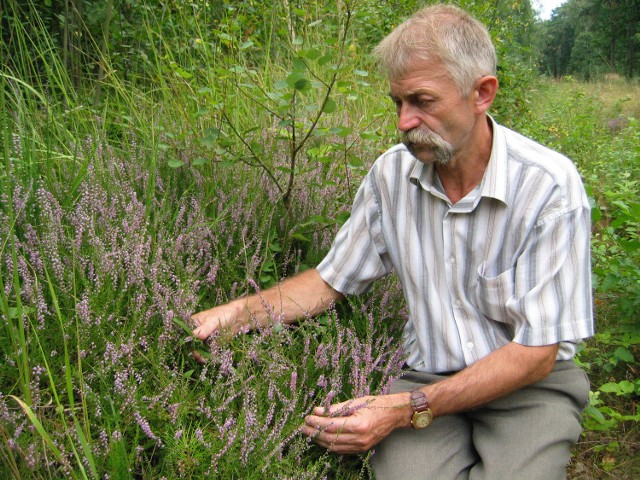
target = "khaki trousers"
x: 526, y: 435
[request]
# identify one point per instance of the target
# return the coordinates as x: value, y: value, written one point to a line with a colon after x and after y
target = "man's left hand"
x: 357, y: 425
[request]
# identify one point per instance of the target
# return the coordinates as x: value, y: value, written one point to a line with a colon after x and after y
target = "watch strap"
x: 419, y: 401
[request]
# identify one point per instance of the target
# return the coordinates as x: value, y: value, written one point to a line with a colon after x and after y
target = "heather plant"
x: 113, y: 234
x: 102, y: 295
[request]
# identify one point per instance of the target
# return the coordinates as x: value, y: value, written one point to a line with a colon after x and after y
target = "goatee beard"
x: 416, y: 137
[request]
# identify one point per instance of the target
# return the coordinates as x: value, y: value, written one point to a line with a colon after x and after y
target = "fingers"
x: 207, y: 322
x: 348, y: 427
x: 339, y: 434
x: 326, y: 424
x: 203, y: 331
x: 338, y: 410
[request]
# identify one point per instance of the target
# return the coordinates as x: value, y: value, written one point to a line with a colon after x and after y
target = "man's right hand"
x: 223, y: 318
x: 304, y: 295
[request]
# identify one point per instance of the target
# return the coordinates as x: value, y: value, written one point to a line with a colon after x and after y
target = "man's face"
x: 435, y: 120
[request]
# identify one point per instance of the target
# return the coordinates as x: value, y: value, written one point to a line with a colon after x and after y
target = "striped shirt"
x: 509, y: 262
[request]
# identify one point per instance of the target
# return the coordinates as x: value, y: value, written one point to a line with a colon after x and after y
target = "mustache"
x: 422, y: 136
x: 442, y: 149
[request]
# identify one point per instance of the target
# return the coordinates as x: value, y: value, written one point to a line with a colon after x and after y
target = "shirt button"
x: 470, y: 345
x: 458, y: 303
x: 452, y: 260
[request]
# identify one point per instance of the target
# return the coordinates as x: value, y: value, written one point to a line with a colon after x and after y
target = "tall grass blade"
x: 69, y: 379
x: 39, y: 428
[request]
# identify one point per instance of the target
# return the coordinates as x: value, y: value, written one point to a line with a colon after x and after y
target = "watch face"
x: 421, y: 419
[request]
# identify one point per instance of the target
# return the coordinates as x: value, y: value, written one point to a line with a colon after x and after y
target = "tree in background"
x: 589, y: 38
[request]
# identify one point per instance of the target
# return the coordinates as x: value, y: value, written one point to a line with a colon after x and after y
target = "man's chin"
x: 421, y: 152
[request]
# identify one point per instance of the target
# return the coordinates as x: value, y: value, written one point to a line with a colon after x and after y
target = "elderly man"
x: 488, y: 233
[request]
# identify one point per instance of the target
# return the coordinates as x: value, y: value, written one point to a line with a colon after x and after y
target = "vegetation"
x: 161, y: 157
x: 589, y: 38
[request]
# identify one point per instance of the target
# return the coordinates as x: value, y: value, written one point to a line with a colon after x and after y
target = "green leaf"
x: 325, y: 59
x: 183, y: 73
x: 209, y: 141
x: 610, y: 387
x: 175, y: 163
x: 15, y: 313
x: 624, y: 387
x: 341, y: 131
x: 330, y: 106
x: 299, y: 65
x: 630, y: 246
x: 355, y: 161
x: 298, y: 81
x: 594, y: 413
x: 275, y: 247
x: 342, y: 217
x: 182, y: 325
x: 624, y: 354
x: 369, y: 136
x: 311, y: 54
x: 299, y: 236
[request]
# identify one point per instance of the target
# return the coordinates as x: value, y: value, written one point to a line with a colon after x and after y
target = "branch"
x: 253, y: 154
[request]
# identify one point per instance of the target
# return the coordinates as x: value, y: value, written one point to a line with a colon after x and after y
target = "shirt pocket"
x: 490, y: 294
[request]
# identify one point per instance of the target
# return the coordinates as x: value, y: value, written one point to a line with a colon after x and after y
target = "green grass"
x: 218, y: 165
x: 575, y: 119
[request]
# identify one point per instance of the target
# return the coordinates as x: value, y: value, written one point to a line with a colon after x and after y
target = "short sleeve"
x: 552, y: 297
x: 358, y: 255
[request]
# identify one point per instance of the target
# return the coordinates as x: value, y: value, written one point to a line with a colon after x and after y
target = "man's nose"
x: 408, y: 118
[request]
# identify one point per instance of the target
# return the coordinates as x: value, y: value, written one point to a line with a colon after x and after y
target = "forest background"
x: 160, y: 157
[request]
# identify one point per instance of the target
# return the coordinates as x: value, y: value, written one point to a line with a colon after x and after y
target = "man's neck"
x: 465, y: 170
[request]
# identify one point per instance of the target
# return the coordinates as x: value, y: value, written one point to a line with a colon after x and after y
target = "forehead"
x: 422, y: 75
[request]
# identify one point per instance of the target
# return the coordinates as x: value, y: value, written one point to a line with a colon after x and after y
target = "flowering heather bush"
x: 102, y: 265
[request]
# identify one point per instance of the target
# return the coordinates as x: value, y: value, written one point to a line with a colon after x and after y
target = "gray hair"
x: 442, y: 33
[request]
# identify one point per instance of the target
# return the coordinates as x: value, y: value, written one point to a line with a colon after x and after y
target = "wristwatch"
x: 422, y: 416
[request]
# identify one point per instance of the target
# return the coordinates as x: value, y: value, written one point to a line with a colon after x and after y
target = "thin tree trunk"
x: 103, y: 50
x: 65, y: 37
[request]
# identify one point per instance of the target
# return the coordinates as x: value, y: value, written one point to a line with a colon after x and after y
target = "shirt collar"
x: 495, y: 181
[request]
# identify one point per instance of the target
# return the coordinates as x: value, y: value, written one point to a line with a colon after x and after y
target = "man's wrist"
x: 405, y: 410
x: 421, y: 416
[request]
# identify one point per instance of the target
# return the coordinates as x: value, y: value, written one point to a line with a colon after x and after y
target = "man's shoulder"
x: 394, y: 162
x: 545, y: 165
x: 523, y: 149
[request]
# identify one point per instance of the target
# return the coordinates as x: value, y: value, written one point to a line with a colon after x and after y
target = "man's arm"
x: 305, y: 294
x: 358, y: 425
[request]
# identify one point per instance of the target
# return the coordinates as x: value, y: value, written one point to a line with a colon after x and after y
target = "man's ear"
x: 485, y: 93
